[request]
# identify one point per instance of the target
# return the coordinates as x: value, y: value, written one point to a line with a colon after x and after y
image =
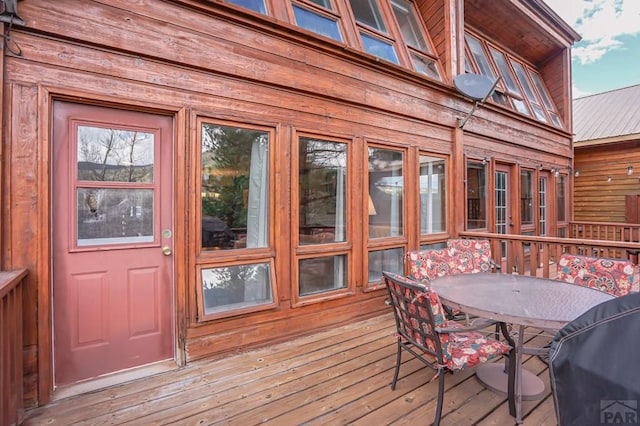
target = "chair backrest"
x: 426, y: 265
x: 593, y: 365
x: 470, y: 255
x: 615, y: 276
x: 417, y: 311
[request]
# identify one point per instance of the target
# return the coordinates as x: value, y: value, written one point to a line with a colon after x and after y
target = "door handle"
x: 166, y: 250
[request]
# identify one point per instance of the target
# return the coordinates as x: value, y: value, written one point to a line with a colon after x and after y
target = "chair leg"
x: 398, y: 362
x: 436, y: 420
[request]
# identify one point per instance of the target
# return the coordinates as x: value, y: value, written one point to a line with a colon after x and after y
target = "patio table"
x: 523, y: 301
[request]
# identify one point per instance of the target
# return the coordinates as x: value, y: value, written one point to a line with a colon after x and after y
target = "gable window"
x: 414, y: 37
x: 369, y: 17
x: 520, y: 88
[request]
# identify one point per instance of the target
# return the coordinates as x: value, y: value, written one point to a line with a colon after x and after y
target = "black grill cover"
x: 594, y: 364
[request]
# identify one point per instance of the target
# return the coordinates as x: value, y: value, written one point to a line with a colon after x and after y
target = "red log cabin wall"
x: 212, y: 62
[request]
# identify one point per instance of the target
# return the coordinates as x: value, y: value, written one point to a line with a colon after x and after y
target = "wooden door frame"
x: 47, y: 95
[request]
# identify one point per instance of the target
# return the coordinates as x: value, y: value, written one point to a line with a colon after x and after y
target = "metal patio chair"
x: 424, y: 332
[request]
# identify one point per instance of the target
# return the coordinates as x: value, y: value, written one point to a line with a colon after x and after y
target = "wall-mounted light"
x: 630, y: 170
x: 555, y: 171
x: 609, y: 179
x: 577, y: 173
x: 485, y: 160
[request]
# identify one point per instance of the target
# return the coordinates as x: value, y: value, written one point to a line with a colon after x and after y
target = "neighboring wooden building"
x: 188, y: 178
x: 607, y: 156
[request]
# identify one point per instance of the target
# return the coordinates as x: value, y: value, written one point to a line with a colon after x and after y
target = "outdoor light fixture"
x: 609, y: 179
x: 485, y: 160
x: 577, y: 173
x: 630, y: 170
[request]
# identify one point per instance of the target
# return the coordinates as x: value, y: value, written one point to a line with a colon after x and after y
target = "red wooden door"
x: 112, y: 240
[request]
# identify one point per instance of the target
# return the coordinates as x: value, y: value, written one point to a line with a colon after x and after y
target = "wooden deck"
x: 335, y: 377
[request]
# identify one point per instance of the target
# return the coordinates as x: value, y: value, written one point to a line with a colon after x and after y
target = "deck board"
x: 334, y: 377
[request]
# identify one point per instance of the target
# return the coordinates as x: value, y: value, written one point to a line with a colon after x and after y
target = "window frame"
x: 324, y: 249
x: 205, y: 259
x: 386, y: 242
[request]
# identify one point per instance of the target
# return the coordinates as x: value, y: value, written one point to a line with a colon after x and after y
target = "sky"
x: 608, y: 56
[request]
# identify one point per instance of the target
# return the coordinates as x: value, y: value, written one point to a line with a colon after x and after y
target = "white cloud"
x: 600, y: 23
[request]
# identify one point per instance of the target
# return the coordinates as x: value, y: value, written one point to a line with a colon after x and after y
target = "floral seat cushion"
x: 471, y: 256
x: 614, y: 276
x: 460, y: 349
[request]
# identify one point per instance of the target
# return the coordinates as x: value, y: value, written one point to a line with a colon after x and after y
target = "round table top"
x: 518, y: 299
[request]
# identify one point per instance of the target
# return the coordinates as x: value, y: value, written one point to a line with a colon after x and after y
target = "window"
x: 521, y: 87
x: 320, y: 22
x: 433, y: 197
x: 322, y: 191
x: 373, y: 30
x: 236, y: 288
x: 526, y: 198
x: 234, y: 188
x: 386, y: 217
x: 543, y: 181
x: 322, y: 211
x: 476, y: 195
x: 561, y: 205
x: 255, y: 5
x: 415, y: 38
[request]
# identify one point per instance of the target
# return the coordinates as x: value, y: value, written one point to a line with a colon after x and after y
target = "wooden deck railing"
x: 11, y: 368
x: 532, y: 255
x: 609, y: 231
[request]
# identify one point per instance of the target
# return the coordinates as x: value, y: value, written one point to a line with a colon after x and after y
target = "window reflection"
x: 433, y: 209
x: 476, y: 195
x: 322, y: 191
x: 114, y: 216
x: 113, y: 155
x: 390, y: 260
x: 316, y: 22
x: 386, y: 189
x: 236, y: 287
x: 321, y: 274
x: 526, y: 197
x: 256, y: 5
x: 235, y: 187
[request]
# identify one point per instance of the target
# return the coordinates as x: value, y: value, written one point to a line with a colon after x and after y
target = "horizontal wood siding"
x: 595, y: 198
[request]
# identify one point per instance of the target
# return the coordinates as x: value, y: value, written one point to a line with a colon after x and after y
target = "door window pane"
x: 235, y: 187
x: 502, y: 202
x: 317, y: 23
x: 322, y: 189
x: 476, y: 195
x: 543, y: 205
x: 433, y: 209
x: 114, y: 216
x: 113, y: 155
x: 322, y: 274
x: 526, y: 197
x: 561, y: 198
x: 386, y: 189
x: 391, y: 260
x: 236, y: 287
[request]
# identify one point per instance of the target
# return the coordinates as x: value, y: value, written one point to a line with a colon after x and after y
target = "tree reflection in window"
x: 235, y: 187
x: 236, y: 287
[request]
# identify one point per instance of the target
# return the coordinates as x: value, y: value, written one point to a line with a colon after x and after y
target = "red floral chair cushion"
x: 614, y: 276
x: 471, y: 256
x: 460, y: 350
